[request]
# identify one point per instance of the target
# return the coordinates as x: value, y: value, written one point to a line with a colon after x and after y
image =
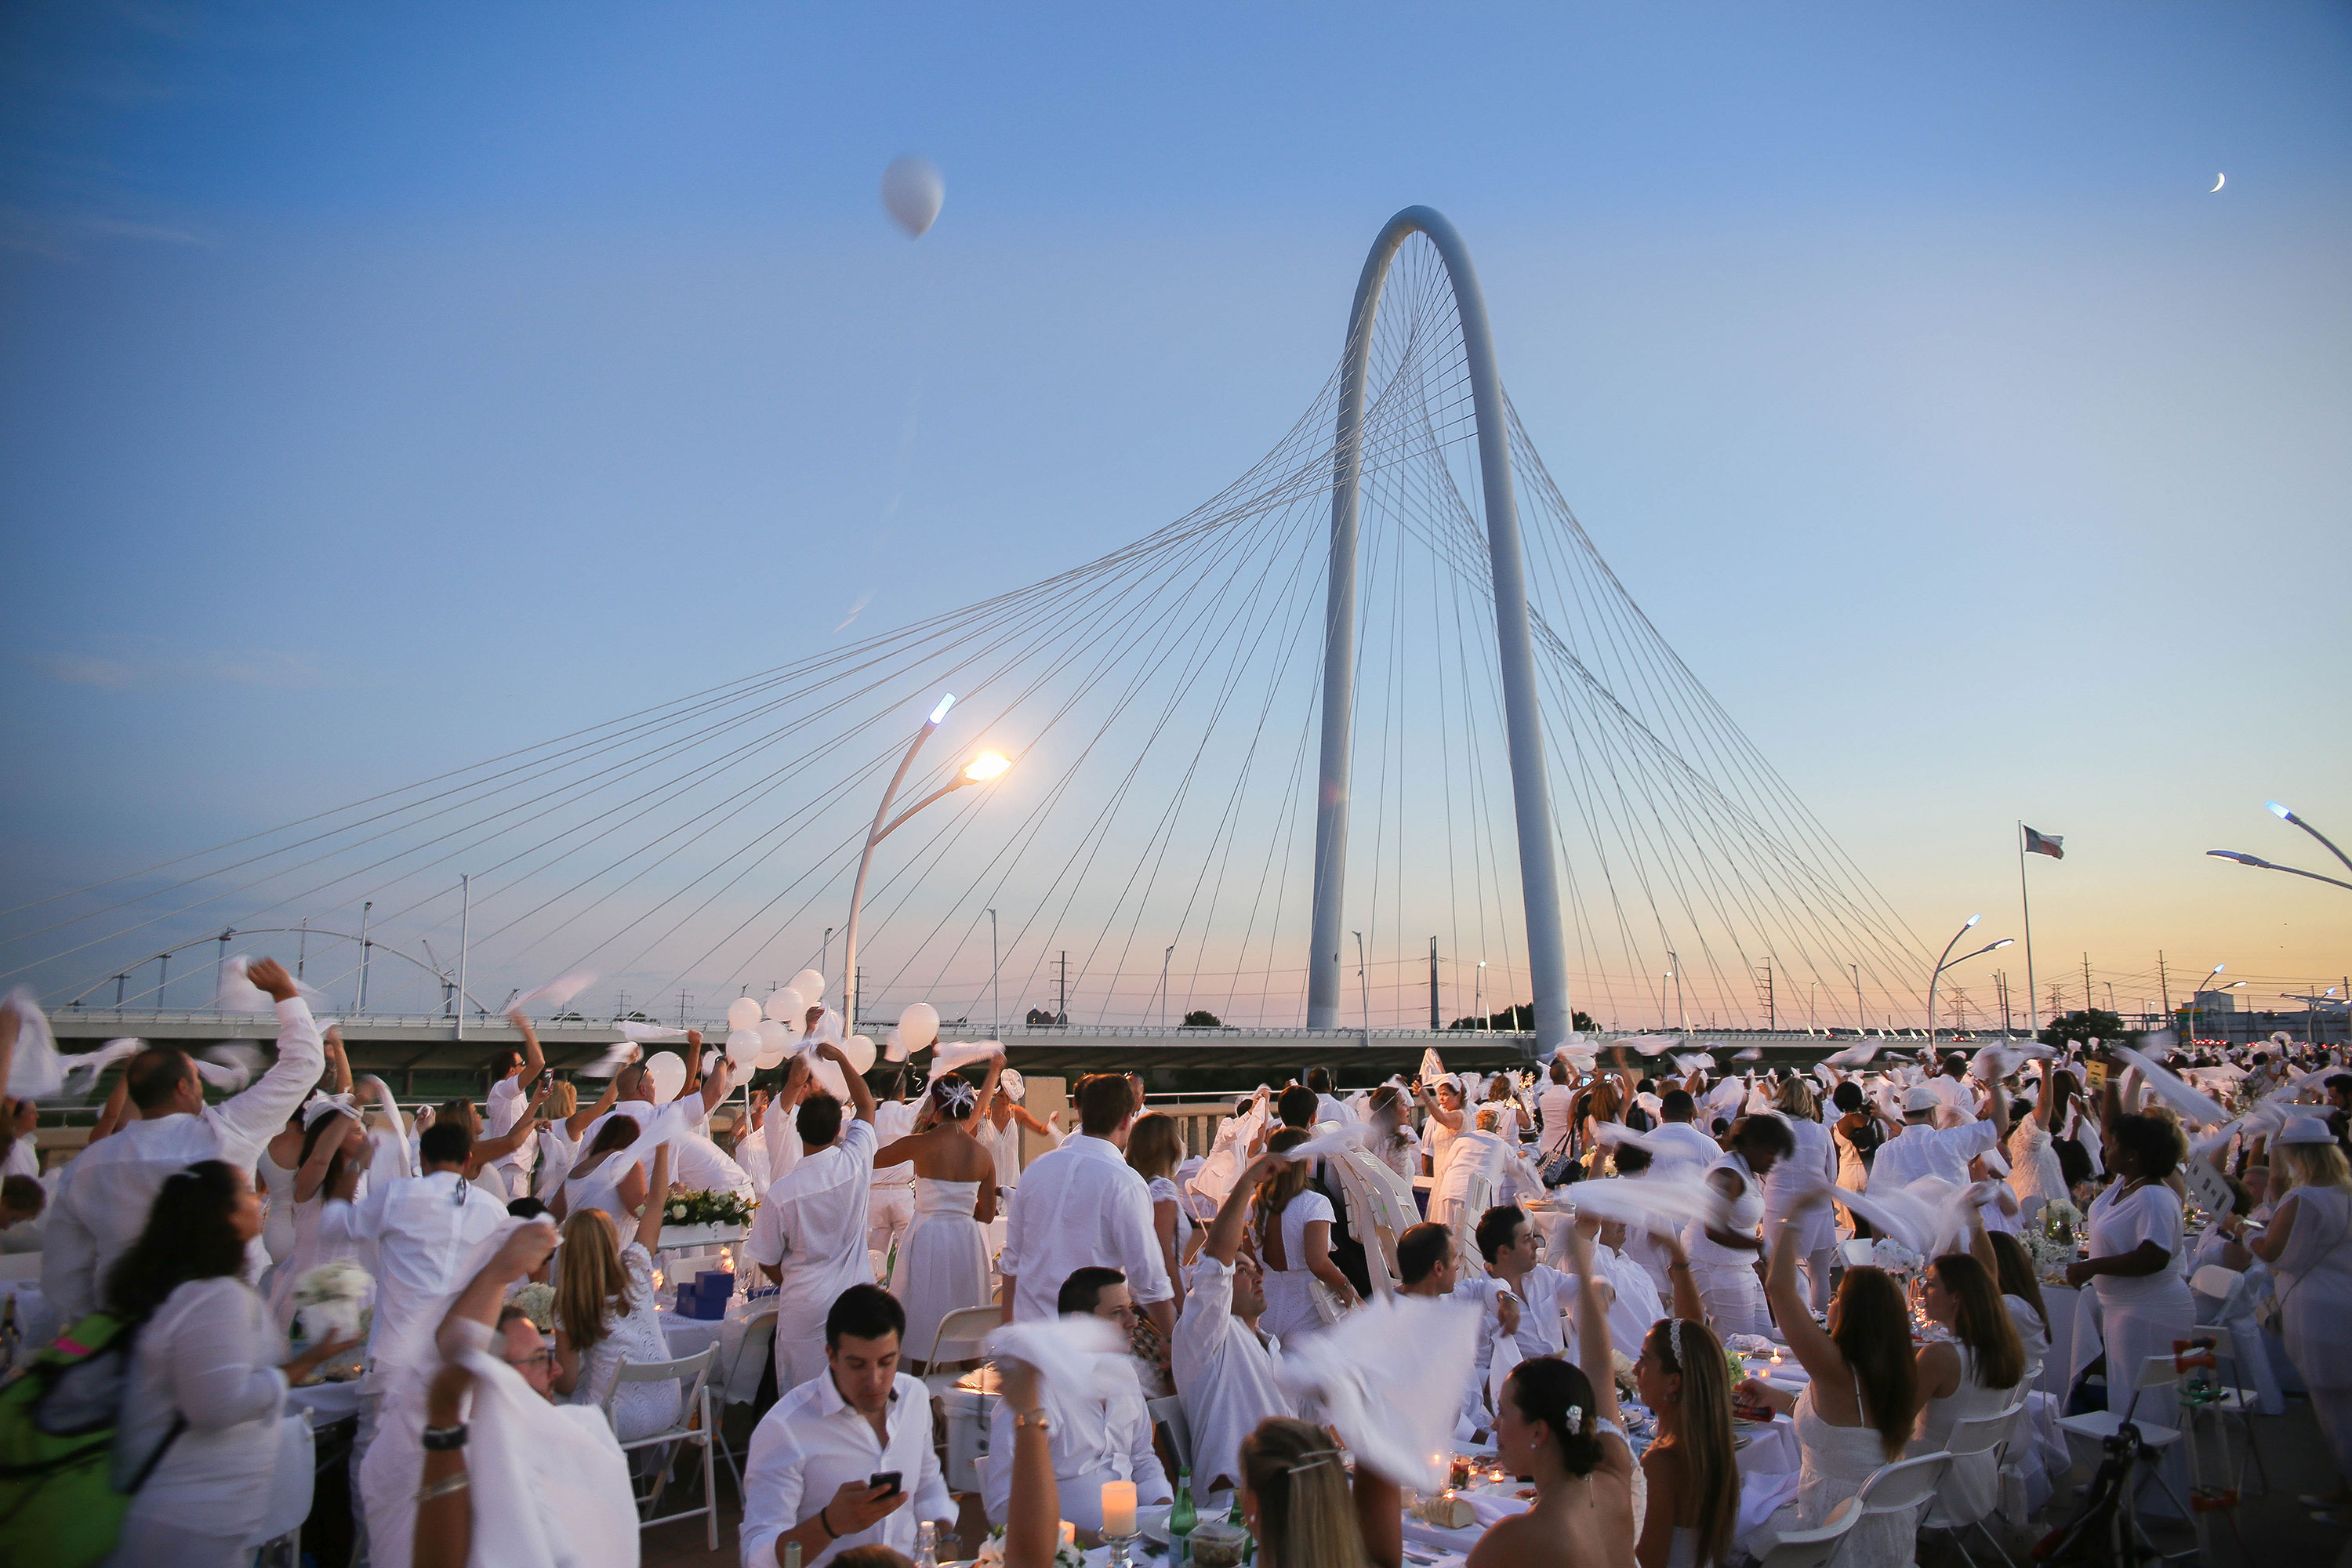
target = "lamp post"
x: 1364, y: 978
x: 987, y: 765
x: 2202, y: 986
x: 1165, y: 953
x: 1479, y: 995
x: 996, y: 985
x: 1682, y: 1016
x: 2283, y: 815
x: 1947, y: 961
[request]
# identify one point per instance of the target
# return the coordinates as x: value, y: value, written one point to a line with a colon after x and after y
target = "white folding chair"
x: 2231, y: 1399
x: 694, y: 1425
x: 1979, y: 1434
x: 1169, y: 1413
x: 964, y: 1326
x: 1901, y: 1487
x: 2096, y: 1427
x: 742, y: 1386
x: 1811, y: 1548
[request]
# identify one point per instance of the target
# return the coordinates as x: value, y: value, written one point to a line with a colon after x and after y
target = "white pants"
x: 800, y: 1357
x: 890, y: 1210
x: 159, y: 1540
x: 1733, y: 1297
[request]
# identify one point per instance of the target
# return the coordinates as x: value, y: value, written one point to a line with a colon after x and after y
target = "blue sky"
x: 380, y: 387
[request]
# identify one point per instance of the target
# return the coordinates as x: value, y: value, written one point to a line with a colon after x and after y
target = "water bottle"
x: 926, y: 1545
x: 1181, y: 1517
x: 792, y: 1554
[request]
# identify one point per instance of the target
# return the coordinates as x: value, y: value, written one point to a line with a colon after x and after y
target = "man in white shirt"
x: 1083, y: 1206
x: 1107, y: 1439
x: 750, y: 1155
x: 1328, y: 1105
x: 1679, y: 1151
x: 423, y: 1237
x: 890, y: 1207
x: 1515, y: 1280
x: 1223, y: 1364
x: 815, y: 1450
x: 102, y: 1198
x: 1924, y: 1148
x: 508, y: 1099
x: 809, y: 1234
x: 1429, y: 1266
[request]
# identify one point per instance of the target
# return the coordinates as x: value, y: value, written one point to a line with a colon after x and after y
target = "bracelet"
x: 442, y: 1487
x: 441, y: 1439
x: 830, y: 1533
x: 1032, y: 1419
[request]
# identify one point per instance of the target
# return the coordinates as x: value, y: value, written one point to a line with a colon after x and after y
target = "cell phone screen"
x: 889, y: 1480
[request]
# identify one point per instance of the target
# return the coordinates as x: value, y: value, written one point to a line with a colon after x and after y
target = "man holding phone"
x: 846, y: 1460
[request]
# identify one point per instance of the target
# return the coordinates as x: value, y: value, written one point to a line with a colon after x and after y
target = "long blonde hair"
x: 1797, y: 1100
x: 1701, y: 1427
x: 2315, y: 1165
x: 1305, y: 1512
x: 590, y: 1280
x: 562, y: 1099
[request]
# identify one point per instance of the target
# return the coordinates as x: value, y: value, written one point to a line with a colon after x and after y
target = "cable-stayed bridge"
x: 1375, y: 721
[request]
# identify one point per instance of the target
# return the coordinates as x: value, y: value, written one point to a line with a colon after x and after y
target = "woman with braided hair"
x: 943, y: 1262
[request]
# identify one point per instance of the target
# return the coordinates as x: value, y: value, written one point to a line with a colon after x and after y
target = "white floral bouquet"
x: 537, y: 1302
x: 1066, y: 1555
x: 332, y: 1299
x: 705, y: 1207
x: 1891, y: 1255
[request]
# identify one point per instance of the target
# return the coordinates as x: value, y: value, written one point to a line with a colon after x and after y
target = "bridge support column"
x: 1515, y: 641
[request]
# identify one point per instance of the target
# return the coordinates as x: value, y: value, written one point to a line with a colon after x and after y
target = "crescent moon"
x: 2219, y: 180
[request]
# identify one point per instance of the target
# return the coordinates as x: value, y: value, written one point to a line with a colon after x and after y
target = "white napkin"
x: 1389, y: 1379
x: 36, y: 1072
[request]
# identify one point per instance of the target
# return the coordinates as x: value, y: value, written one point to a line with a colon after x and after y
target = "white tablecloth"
x: 326, y: 1403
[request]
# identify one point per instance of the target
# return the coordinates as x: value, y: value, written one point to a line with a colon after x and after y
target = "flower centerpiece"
x: 1898, y: 1259
x: 703, y: 1218
x: 537, y: 1302
x: 332, y: 1302
x: 1066, y: 1552
x: 2051, y: 1244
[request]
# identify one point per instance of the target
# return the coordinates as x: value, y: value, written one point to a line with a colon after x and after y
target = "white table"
x: 326, y: 1403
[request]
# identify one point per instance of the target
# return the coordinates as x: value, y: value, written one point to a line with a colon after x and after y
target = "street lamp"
x: 987, y: 765
x: 1479, y: 995
x: 2202, y: 986
x: 2283, y: 815
x: 1364, y: 978
x: 1947, y: 961
x: 1682, y: 1016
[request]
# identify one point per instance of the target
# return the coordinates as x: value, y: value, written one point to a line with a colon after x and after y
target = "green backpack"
x: 58, y: 1505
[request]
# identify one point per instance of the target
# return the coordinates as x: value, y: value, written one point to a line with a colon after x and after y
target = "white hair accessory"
x: 954, y: 1094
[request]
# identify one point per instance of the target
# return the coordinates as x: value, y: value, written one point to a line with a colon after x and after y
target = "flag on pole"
x: 2049, y: 844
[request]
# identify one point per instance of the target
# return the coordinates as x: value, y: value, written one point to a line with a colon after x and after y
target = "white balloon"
x: 743, y: 1013
x: 811, y: 986
x: 894, y: 1049
x: 768, y: 1058
x: 912, y: 189
x: 668, y: 1076
x: 918, y: 1026
x: 860, y: 1052
x: 743, y: 1046
x: 787, y: 1008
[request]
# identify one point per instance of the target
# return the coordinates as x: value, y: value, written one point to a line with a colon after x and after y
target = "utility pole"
x: 1861, y: 1023
x: 2088, y: 995
x: 162, y: 977
x: 824, y: 957
x: 302, y: 949
x: 684, y: 1002
x: 1434, y: 1024
x: 359, y: 1005
x: 465, y: 930
x: 620, y: 1004
x: 1167, y: 954
x: 2000, y: 979
x: 2164, y: 985
x: 1771, y: 1014
x: 1061, y: 1009
x: 995, y: 981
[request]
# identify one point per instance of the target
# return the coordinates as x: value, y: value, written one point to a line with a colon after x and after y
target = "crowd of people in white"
x: 1611, y: 1227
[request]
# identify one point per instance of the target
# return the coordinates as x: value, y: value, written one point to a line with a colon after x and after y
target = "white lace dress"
x: 634, y: 1335
x: 2033, y: 1168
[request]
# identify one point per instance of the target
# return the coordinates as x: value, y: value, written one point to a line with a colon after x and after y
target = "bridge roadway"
x: 429, y: 1054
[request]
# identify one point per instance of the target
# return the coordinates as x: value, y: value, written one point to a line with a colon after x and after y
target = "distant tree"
x: 1518, y: 1020
x: 2088, y: 1023
x: 1582, y: 1023
x: 1202, y: 1018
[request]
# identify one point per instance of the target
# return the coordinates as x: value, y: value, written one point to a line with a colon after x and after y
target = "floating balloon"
x: 775, y: 1043
x: 786, y: 1007
x: 918, y: 1026
x: 743, y: 1013
x: 667, y: 1075
x: 912, y: 191
x: 743, y: 1046
x: 860, y: 1052
x: 811, y: 986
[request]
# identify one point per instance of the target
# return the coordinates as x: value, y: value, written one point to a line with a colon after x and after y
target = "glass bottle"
x: 792, y: 1554
x: 1181, y: 1517
x: 926, y: 1545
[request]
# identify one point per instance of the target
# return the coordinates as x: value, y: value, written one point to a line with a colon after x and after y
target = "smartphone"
x: 890, y: 1481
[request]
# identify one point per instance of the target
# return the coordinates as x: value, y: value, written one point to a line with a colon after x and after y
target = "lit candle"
x: 1069, y: 1533
x: 1119, y: 1507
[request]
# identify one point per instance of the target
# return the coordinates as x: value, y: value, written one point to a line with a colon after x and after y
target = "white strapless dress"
x: 278, y: 1185
x: 942, y: 1264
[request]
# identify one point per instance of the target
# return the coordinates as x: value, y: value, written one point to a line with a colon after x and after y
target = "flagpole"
x: 2033, y: 1007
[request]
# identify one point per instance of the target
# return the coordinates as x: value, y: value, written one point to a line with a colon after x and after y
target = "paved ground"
x: 2278, y: 1532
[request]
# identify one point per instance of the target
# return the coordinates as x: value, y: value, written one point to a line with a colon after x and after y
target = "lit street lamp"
x: 1947, y: 961
x: 987, y: 765
x: 2202, y: 986
x: 2283, y: 815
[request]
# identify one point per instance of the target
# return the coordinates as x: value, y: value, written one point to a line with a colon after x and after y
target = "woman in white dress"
x: 1812, y: 1161
x: 607, y: 1313
x: 333, y: 1126
x: 1393, y: 1142
x: 607, y: 1177
x: 2135, y: 1243
x: 2308, y: 1245
x: 942, y: 1264
x: 281, y: 1158
x: 1155, y: 1147
x: 1857, y: 1412
x: 206, y: 1394
x: 559, y: 1139
x: 1974, y: 1374
x: 1723, y: 1253
x: 1443, y: 1102
x: 2033, y: 1168
x: 1293, y: 1247
x: 1502, y: 1092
